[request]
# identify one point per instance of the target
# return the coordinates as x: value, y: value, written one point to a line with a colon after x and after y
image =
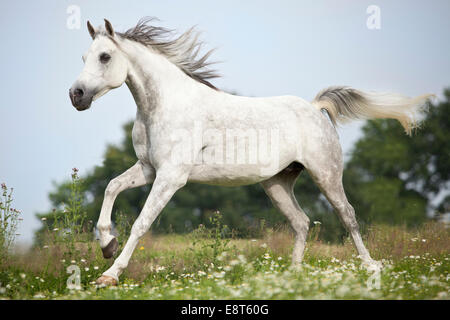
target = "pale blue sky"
x: 267, y: 48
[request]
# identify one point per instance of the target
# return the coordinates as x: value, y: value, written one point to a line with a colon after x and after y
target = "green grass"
x: 202, y: 265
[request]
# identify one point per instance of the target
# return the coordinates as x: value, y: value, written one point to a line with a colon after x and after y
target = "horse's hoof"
x: 110, y: 249
x: 106, y: 281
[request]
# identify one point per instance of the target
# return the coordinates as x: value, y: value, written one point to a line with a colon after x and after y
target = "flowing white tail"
x: 344, y: 104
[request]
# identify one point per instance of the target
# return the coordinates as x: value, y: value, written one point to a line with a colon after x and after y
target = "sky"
x: 266, y: 48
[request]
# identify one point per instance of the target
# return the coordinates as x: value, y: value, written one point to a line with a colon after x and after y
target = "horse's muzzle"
x: 79, y: 99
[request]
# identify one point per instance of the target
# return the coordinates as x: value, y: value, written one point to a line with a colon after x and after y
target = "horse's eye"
x: 104, y: 58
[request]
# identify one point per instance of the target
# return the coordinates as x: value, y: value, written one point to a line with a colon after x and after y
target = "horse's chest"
x: 141, y: 142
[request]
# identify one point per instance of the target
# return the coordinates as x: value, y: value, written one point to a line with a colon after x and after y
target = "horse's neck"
x: 154, y: 80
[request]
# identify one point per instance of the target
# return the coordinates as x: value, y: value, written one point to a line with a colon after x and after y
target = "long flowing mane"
x: 183, y: 50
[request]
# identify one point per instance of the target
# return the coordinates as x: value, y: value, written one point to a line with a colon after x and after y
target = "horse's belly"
x: 232, y: 175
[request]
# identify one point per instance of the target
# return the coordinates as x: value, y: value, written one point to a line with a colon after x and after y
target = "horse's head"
x: 105, y: 68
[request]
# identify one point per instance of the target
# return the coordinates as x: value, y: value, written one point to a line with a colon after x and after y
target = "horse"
x: 187, y: 130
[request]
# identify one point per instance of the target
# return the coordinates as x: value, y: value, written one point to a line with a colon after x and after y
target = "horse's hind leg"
x: 280, y: 189
x: 326, y: 171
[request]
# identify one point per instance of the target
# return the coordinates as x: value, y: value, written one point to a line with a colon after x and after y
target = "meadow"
x: 210, y: 264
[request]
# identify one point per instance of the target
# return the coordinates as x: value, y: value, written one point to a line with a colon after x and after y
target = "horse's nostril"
x: 78, y: 93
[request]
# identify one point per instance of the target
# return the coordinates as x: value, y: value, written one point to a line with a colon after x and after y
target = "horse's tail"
x: 344, y: 104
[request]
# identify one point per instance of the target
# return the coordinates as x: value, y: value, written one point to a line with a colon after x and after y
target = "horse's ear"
x: 109, y: 28
x: 91, y: 30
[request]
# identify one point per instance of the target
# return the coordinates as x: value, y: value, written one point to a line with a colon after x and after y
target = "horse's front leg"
x: 167, y: 182
x: 138, y: 175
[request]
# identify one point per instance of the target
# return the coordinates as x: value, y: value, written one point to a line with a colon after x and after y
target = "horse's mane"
x: 183, y: 50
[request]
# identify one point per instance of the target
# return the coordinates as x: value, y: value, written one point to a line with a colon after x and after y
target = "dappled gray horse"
x: 186, y: 130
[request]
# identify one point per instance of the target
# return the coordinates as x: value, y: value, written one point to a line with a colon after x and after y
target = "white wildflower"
x: 242, y: 259
x: 219, y: 274
x: 234, y: 262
